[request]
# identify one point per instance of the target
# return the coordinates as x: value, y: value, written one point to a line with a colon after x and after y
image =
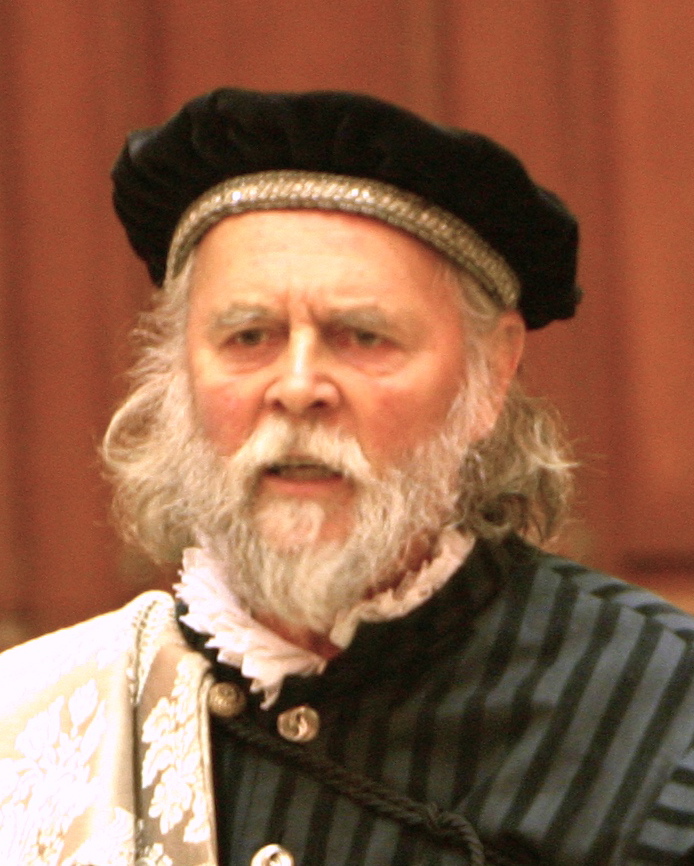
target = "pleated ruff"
x: 552, y: 705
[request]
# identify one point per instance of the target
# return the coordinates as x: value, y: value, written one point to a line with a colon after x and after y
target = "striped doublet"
x: 551, y: 705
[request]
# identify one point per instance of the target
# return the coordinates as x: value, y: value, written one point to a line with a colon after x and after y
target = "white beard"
x: 272, y: 552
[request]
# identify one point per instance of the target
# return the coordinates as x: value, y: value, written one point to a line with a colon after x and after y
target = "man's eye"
x: 249, y: 337
x: 367, y: 339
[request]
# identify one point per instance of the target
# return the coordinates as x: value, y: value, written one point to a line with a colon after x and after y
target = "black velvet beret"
x: 229, y: 132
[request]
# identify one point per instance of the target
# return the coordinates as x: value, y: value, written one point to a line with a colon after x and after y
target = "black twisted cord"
x: 444, y: 827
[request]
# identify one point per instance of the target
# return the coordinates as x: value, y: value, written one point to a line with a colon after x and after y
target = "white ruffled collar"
x: 263, y: 656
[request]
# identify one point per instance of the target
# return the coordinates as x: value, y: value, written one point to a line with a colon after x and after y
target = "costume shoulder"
x: 535, y: 578
x: 49, y: 665
x: 75, y: 719
x: 615, y: 663
x: 645, y: 604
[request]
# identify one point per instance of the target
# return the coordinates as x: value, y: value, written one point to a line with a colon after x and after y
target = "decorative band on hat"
x: 292, y: 190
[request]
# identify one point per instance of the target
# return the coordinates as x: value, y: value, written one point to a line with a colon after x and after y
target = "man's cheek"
x: 221, y: 418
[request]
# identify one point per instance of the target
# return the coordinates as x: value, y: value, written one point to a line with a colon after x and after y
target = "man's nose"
x: 303, y: 383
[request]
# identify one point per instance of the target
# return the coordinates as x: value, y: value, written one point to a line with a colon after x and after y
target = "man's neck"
x: 300, y: 636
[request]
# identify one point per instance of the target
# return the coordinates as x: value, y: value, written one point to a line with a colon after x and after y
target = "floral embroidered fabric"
x: 123, y: 684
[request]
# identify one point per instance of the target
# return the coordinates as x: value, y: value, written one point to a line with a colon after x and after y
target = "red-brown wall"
x: 595, y: 96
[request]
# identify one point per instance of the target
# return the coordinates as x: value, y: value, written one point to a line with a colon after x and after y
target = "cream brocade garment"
x: 104, y: 745
x: 104, y: 733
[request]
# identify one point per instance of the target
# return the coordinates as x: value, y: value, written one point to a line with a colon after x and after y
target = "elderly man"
x: 369, y: 662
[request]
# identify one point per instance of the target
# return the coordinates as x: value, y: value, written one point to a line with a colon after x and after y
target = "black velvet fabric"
x: 231, y: 132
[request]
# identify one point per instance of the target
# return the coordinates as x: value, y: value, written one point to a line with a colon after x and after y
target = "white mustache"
x: 277, y: 441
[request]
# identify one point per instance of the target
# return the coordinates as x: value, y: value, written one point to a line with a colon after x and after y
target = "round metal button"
x: 272, y: 855
x: 226, y: 700
x: 299, y: 725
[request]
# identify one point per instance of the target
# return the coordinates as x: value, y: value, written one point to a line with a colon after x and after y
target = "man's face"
x: 331, y: 319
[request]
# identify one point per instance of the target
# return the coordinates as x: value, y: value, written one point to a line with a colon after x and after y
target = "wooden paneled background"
x: 597, y: 96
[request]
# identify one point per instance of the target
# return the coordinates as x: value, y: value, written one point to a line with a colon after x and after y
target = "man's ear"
x: 503, y: 348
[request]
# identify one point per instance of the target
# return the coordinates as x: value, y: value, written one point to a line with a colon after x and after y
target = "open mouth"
x: 302, y: 469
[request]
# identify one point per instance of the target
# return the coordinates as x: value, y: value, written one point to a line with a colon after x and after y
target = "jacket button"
x: 272, y: 855
x: 299, y: 725
x: 226, y: 700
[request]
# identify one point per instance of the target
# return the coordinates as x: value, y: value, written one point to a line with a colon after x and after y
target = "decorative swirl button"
x: 299, y: 725
x: 272, y: 855
x: 226, y: 700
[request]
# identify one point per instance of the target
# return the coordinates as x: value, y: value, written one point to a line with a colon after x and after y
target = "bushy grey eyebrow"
x: 366, y: 318
x: 362, y: 318
x: 240, y: 314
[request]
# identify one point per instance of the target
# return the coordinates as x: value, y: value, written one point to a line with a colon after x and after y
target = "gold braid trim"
x: 292, y: 190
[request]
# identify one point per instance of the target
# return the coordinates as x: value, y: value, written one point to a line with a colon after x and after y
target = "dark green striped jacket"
x: 551, y: 705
